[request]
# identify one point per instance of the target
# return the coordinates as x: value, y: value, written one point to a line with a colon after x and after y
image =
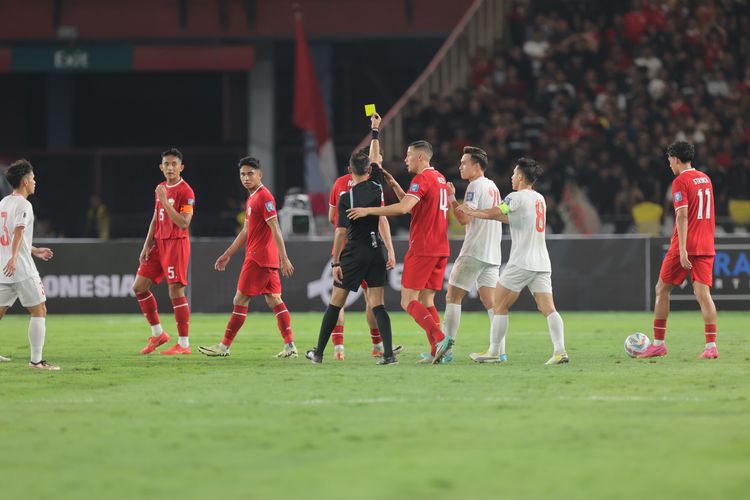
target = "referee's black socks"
x: 326, y: 327
x: 384, y: 325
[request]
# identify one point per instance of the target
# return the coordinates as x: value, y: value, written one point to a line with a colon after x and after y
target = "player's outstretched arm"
x: 461, y: 217
x: 402, y: 207
x: 287, y: 269
x: 494, y: 213
x: 239, y: 242
x: 42, y: 253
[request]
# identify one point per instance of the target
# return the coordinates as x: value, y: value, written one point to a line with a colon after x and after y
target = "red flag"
x: 310, y: 115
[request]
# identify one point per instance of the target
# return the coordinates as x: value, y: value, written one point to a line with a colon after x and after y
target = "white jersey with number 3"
x: 483, y: 236
x: 527, y: 219
x: 16, y: 211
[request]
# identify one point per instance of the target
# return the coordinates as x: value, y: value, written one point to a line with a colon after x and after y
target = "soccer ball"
x: 636, y: 343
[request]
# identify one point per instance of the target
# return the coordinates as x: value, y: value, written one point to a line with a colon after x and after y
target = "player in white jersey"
x: 528, y: 266
x: 478, y: 263
x: 20, y: 278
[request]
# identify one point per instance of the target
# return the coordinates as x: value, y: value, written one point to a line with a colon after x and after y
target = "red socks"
x: 710, y: 333
x: 181, y: 315
x: 147, y: 303
x: 236, y: 320
x: 425, y: 319
x: 284, y: 321
x: 660, y: 329
x: 375, y: 336
x: 435, y: 315
x: 338, y: 335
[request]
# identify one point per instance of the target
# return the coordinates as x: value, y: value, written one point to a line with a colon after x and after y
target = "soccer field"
x: 114, y: 424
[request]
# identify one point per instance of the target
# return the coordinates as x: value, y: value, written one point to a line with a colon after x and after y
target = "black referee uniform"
x: 363, y: 259
x: 364, y: 255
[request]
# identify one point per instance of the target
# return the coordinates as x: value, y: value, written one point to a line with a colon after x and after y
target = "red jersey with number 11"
x: 692, y: 191
x: 428, y: 231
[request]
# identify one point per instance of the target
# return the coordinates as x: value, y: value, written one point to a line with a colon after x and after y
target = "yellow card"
x: 370, y: 109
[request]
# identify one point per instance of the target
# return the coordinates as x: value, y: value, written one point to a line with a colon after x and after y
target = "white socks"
x: 497, y: 334
x: 556, y: 332
x: 184, y: 342
x: 491, y: 314
x: 37, y: 331
x: 451, y: 320
x: 156, y: 330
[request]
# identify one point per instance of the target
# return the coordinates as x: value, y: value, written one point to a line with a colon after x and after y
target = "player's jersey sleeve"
x: 418, y: 187
x: 269, y: 207
x: 679, y: 193
x: 513, y: 202
x: 343, y: 220
x: 21, y: 214
x: 333, y: 198
x: 188, y: 202
x: 472, y: 196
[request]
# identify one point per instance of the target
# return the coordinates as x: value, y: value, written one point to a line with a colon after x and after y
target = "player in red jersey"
x: 691, y: 251
x: 166, y: 253
x: 265, y: 254
x: 342, y: 185
x: 427, y: 257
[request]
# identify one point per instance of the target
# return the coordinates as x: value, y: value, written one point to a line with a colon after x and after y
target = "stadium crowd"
x: 596, y: 93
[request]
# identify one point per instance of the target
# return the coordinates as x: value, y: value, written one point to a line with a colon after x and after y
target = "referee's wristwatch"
x: 335, y: 264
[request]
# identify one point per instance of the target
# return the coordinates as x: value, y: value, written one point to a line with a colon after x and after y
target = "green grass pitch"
x: 114, y: 424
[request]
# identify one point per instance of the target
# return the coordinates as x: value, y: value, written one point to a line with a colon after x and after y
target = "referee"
x: 364, y: 257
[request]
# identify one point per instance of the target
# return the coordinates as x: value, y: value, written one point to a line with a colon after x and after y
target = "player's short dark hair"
x: 17, y: 171
x: 423, y: 146
x: 172, y: 152
x: 249, y: 161
x: 477, y: 155
x: 530, y: 169
x: 359, y: 161
x: 682, y: 150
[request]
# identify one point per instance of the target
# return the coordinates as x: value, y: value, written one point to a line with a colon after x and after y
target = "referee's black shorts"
x: 360, y: 264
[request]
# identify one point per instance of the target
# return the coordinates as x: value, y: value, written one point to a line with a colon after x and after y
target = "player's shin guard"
x: 284, y: 322
x: 375, y: 335
x: 452, y: 319
x: 710, y: 331
x: 330, y: 316
x: 384, y: 325
x: 660, y: 329
x: 182, y: 318
x: 425, y: 319
x: 37, y: 331
x: 338, y: 335
x: 236, y: 320
x: 147, y: 303
x: 556, y: 332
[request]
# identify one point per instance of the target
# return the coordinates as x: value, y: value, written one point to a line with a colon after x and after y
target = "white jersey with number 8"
x: 527, y: 220
x: 15, y: 211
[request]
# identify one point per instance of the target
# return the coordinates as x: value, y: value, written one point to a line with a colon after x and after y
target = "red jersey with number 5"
x: 692, y: 191
x: 260, y: 245
x: 428, y: 231
x: 181, y: 197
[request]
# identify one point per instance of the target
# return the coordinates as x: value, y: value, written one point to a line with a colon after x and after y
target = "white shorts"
x: 515, y: 279
x: 469, y: 272
x: 29, y: 291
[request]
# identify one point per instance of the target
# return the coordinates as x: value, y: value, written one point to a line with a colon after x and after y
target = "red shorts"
x: 674, y: 274
x: 257, y: 280
x: 168, y: 258
x: 421, y: 272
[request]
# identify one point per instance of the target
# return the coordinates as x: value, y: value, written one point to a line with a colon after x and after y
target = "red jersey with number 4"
x: 692, y: 191
x: 341, y: 186
x: 260, y: 245
x: 428, y: 231
x: 181, y: 197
